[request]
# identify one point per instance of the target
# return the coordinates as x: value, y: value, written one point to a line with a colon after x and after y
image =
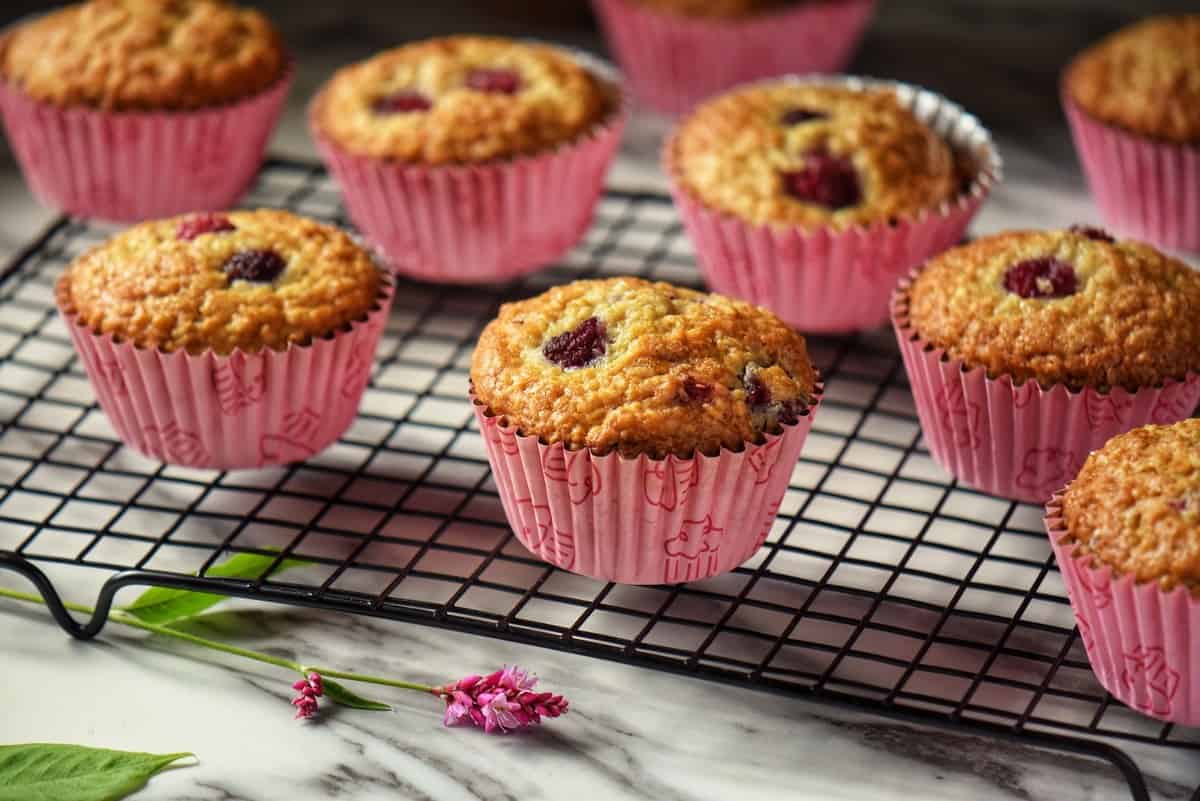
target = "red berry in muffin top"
x: 1041, y: 278
x: 578, y: 347
x: 261, y: 266
x: 497, y: 81
x: 208, y: 223
x: 825, y: 180
x: 401, y: 103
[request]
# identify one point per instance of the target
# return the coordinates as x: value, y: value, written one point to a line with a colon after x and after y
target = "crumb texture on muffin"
x: 1069, y: 307
x: 460, y: 100
x: 1144, y: 78
x: 811, y: 155
x: 642, y: 367
x: 145, y: 55
x: 1135, y: 505
x: 720, y: 9
x: 220, y: 282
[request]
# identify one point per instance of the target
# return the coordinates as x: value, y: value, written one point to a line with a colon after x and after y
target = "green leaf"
x: 161, y: 605
x: 49, y: 772
x: 340, y: 695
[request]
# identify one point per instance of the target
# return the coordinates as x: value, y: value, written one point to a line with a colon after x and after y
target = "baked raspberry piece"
x: 207, y: 223
x: 825, y: 180
x: 578, y: 347
x: 401, y: 103
x: 260, y: 266
x: 1041, y: 278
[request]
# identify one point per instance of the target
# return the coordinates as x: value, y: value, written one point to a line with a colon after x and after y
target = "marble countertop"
x: 631, y: 733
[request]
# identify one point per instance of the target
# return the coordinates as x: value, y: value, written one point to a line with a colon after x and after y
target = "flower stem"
x: 126, y: 619
x: 341, y: 674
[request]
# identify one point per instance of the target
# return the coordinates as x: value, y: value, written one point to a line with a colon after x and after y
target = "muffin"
x: 1133, y: 101
x: 640, y: 432
x: 1126, y: 535
x: 128, y: 109
x: 802, y: 195
x: 679, y: 52
x: 1027, y: 350
x: 453, y: 153
x: 227, y: 340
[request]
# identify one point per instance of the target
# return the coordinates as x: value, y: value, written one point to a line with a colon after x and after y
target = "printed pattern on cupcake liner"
x: 240, y: 383
x: 693, y: 552
x: 578, y: 472
x: 668, y: 483
x: 1151, y: 680
x: 542, y: 537
x: 960, y: 416
x: 1043, y: 470
x: 172, y: 444
x: 298, y: 439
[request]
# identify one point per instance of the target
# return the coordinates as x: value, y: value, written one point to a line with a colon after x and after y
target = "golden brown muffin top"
x: 220, y: 282
x: 1135, y: 505
x: 721, y: 9
x: 145, y: 55
x: 1070, y: 307
x: 810, y: 154
x: 460, y: 100
x: 642, y: 367
x: 1144, y: 78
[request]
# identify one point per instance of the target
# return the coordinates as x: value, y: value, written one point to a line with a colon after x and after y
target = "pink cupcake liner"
x: 826, y: 280
x: 673, y: 61
x: 130, y: 166
x: 483, y: 222
x: 1145, y: 189
x: 640, y: 521
x: 237, y: 411
x: 1020, y: 442
x: 1139, y: 638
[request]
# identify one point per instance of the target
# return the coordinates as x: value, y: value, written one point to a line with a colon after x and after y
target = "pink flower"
x: 500, y: 702
x: 308, y: 690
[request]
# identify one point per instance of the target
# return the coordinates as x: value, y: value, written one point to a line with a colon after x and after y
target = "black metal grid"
x: 883, y: 585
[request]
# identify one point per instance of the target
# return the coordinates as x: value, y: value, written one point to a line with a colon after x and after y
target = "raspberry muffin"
x: 1027, y: 350
x: 128, y: 109
x: 452, y: 153
x: 679, y: 52
x: 227, y: 340
x: 814, y: 197
x: 641, y: 432
x: 1126, y: 535
x: 1133, y: 101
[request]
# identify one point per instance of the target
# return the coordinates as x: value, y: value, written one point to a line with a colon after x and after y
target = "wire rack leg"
x: 19, y: 564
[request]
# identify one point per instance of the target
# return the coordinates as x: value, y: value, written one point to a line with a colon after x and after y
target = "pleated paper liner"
x: 1020, y: 442
x: 483, y: 222
x: 641, y: 520
x: 674, y: 61
x: 131, y: 166
x: 238, y: 411
x: 829, y: 280
x: 1145, y: 189
x: 1140, y: 639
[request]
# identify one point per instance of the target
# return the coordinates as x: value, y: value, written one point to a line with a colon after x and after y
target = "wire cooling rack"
x: 883, y: 586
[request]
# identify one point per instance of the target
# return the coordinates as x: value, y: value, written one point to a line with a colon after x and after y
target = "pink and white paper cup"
x: 478, y: 223
x: 1145, y: 189
x: 131, y: 166
x: 229, y: 412
x: 640, y: 520
x: 675, y: 61
x: 1140, y: 639
x: 828, y: 280
x: 1020, y: 441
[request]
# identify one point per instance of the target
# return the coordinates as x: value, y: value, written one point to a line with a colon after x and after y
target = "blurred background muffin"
x: 128, y: 109
x: 1133, y: 100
